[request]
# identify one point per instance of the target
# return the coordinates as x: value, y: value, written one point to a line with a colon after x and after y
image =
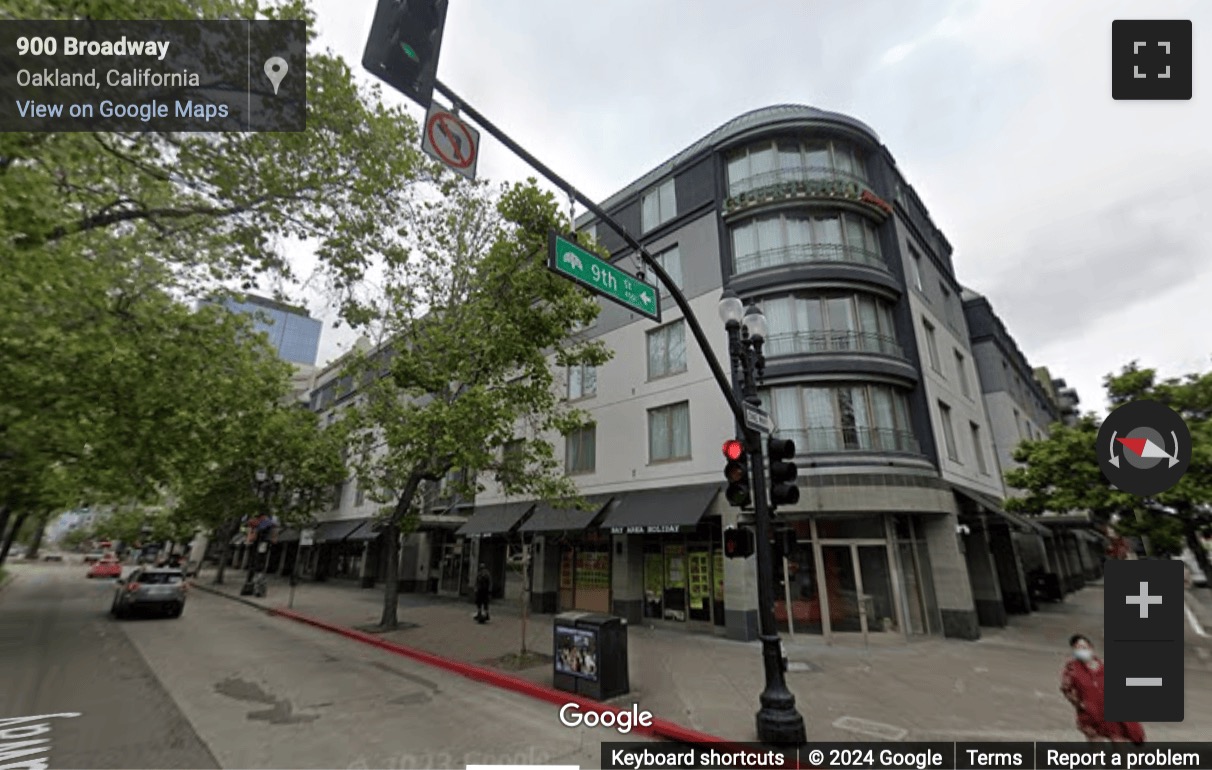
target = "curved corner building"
x: 870, y: 371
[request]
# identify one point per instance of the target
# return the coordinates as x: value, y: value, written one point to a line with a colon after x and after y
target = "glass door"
x: 875, y: 581
x: 675, y: 583
x: 452, y: 569
x: 842, y: 588
x: 698, y: 582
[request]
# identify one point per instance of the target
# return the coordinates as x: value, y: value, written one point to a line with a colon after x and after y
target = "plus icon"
x: 1151, y: 59
x: 1144, y: 600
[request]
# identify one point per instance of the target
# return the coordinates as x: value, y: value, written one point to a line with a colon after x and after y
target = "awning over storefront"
x: 549, y: 519
x: 336, y: 531
x: 369, y: 530
x: 668, y: 509
x: 288, y: 535
x: 495, y: 519
x: 994, y: 507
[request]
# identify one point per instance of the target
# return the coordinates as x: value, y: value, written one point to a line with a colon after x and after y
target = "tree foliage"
x: 467, y: 322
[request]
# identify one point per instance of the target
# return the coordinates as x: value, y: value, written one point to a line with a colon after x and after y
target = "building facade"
x: 870, y: 370
x: 291, y: 331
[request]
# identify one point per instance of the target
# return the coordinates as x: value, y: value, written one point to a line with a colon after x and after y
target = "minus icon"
x: 1143, y: 681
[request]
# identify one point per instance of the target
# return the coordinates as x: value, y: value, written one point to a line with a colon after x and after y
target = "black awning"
x: 288, y: 535
x: 995, y: 507
x: 547, y: 518
x: 669, y: 509
x: 495, y: 519
x: 1027, y: 524
x: 369, y: 530
x: 336, y: 531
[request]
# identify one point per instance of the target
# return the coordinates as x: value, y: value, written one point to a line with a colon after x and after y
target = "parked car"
x: 106, y: 568
x: 93, y: 557
x: 52, y: 557
x: 153, y: 588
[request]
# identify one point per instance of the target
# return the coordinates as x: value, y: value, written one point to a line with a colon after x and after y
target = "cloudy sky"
x: 1083, y: 219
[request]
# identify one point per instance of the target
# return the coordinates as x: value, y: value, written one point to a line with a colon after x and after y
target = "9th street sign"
x: 571, y: 261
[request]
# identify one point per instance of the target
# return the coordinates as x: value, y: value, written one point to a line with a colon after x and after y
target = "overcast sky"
x: 1083, y: 219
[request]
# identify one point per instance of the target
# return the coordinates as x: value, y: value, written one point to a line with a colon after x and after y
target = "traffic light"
x: 738, y: 543
x: 403, y: 46
x: 737, y: 473
x: 783, y: 490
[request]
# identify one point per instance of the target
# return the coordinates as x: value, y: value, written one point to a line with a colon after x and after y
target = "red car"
x: 106, y: 568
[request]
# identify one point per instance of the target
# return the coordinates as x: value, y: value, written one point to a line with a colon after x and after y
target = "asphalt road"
x: 61, y: 653
x: 227, y: 686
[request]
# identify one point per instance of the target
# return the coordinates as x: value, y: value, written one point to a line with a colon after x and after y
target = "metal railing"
x: 856, y: 439
x: 809, y: 252
x: 807, y: 342
x: 795, y: 175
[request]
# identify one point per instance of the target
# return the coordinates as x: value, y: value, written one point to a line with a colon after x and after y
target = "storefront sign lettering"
x: 654, y: 529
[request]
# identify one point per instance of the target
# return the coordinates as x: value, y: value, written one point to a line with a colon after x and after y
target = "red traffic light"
x: 733, y: 449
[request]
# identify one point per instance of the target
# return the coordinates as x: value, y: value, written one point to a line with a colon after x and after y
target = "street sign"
x: 571, y: 261
x: 451, y: 141
x: 756, y: 419
x: 307, y: 537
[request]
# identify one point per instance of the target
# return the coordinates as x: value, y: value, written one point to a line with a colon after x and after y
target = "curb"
x: 660, y: 728
x: 232, y: 597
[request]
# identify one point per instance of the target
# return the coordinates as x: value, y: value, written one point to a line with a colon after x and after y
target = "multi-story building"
x: 291, y: 330
x: 1062, y: 398
x: 870, y: 370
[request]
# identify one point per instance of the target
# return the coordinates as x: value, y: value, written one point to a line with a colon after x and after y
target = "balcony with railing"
x: 851, y: 439
x: 809, y: 342
x: 805, y: 253
x: 802, y: 182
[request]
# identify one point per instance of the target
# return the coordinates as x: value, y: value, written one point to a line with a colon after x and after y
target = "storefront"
x: 875, y: 574
x: 493, y: 529
x: 335, y: 555
x: 573, y: 562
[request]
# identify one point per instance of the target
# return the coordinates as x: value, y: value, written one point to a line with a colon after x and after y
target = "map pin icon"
x: 275, y: 70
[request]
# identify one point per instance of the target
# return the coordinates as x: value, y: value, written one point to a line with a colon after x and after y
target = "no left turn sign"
x: 451, y: 141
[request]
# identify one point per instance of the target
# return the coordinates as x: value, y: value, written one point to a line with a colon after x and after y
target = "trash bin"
x: 565, y: 639
x: 607, y: 674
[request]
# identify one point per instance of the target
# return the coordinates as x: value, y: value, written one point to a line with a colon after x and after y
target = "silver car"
x: 154, y: 588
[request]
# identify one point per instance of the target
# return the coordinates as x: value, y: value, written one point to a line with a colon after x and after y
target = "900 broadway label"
x: 153, y: 76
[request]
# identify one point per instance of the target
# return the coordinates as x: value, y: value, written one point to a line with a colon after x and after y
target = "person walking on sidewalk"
x: 483, y: 593
x: 1082, y: 685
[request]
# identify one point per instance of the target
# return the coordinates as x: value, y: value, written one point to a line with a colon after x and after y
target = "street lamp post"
x: 265, y: 486
x: 778, y: 721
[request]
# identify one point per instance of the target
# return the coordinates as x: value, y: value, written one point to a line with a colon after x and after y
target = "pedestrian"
x: 1082, y: 685
x: 483, y: 593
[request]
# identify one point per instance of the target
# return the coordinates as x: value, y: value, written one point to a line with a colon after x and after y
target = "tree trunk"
x: 228, y: 532
x: 1191, y: 530
x: 39, y: 533
x: 10, y: 535
x: 391, y: 591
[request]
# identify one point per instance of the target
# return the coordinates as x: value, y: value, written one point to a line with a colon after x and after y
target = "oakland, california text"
x: 23, y: 741
x: 116, y: 78
x: 145, y: 111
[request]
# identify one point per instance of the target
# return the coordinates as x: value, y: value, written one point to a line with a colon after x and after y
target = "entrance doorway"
x: 858, y: 588
x: 453, y: 568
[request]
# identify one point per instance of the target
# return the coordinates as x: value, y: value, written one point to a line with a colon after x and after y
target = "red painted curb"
x: 660, y: 727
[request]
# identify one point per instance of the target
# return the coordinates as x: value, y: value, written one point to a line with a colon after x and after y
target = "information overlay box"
x: 181, y: 76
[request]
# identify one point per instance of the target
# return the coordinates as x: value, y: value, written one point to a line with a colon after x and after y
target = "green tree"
x: 468, y: 320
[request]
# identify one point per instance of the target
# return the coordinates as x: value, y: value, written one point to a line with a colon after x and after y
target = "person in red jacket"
x: 1082, y: 685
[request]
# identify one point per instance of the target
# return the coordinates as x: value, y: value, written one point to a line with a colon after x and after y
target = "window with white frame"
x: 658, y: 206
x: 667, y: 350
x: 948, y: 432
x: 582, y: 381
x: 830, y: 321
x: 978, y: 447
x: 932, y: 346
x: 961, y: 371
x: 785, y: 239
x: 670, y: 261
x: 669, y: 432
x: 915, y: 267
x: 840, y: 418
x: 787, y: 160
x: 579, y: 450
x: 360, y: 494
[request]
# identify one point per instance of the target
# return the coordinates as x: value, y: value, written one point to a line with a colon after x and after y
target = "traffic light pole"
x: 778, y: 721
x: 459, y: 105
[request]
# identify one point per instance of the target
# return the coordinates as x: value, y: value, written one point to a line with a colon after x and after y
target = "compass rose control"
x: 1144, y: 448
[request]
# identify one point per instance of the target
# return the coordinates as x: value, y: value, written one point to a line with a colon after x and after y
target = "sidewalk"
x: 1002, y: 687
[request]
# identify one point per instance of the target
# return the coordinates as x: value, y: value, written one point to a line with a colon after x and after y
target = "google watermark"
x: 623, y: 721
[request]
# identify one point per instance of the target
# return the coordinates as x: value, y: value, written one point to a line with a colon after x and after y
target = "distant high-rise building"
x: 292, y: 332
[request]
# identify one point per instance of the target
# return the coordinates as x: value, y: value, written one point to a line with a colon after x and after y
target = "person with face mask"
x: 1082, y: 685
